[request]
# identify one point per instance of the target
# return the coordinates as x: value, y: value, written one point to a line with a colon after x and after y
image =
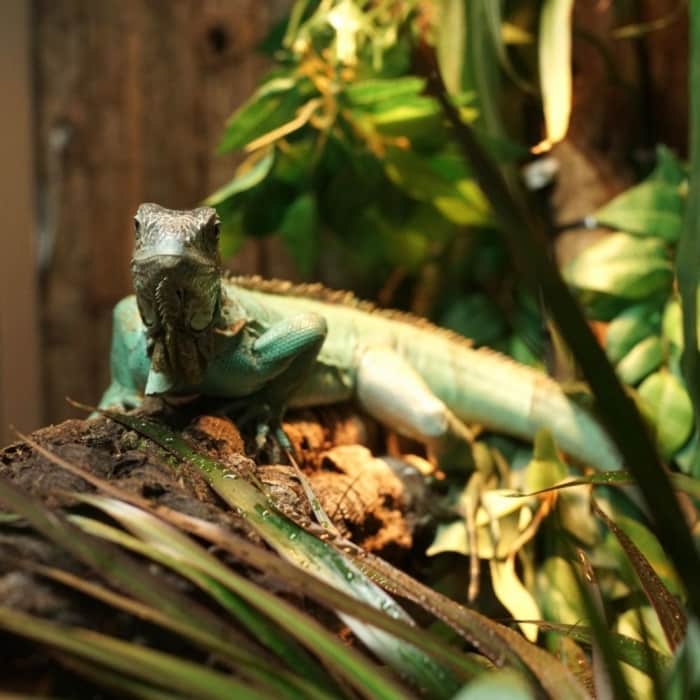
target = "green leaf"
x: 475, y: 316
x: 481, y: 72
x: 414, y: 118
x: 652, y: 208
x: 451, y: 43
x: 372, y: 92
x: 642, y: 359
x: 684, y: 680
x: 460, y: 202
x: 628, y: 328
x: 509, y: 589
x: 554, y: 51
x: 272, y: 106
x: 558, y: 592
x: 671, y: 409
x: 299, y: 231
x: 251, y: 173
x: 624, y: 266
x: 496, y: 686
x: 545, y: 468
x: 669, y: 169
x: 165, y: 670
x: 527, y: 242
x: 650, y: 563
x: 672, y: 326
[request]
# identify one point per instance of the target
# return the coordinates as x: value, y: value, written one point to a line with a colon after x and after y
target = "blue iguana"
x: 190, y: 329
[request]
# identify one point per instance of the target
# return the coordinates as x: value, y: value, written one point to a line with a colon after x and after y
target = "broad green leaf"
x: 672, y: 411
x: 250, y: 173
x: 460, y: 202
x: 669, y: 169
x: 475, y: 316
x: 452, y: 537
x: 672, y: 325
x: 546, y: 468
x: 497, y: 686
x: 622, y: 265
x: 268, y: 109
x: 372, y: 92
x: 642, y: 623
x: 299, y: 231
x: 265, y: 207
x: 627, y: 329
x: 642, y: 359
x: 652, y: 208
x: 558, y: 592
x: 509, y: 589
x: 684, y: 679
x: 554, y: 50
x: 414, y: 118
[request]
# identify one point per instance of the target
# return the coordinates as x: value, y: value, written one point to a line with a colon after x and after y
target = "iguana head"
x: 177, y: 277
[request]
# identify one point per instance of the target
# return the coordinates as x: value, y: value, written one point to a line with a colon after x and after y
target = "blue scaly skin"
x: 191, y: 330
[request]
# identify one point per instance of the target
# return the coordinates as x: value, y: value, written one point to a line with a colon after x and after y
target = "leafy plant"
x: 627, y: 280
x: 348, y: 157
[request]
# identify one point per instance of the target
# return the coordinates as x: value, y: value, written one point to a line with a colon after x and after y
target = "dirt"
x: 363, y: 495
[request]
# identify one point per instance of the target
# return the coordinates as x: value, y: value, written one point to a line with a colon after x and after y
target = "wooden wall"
x: 132, y: 96
x: 19, y: 330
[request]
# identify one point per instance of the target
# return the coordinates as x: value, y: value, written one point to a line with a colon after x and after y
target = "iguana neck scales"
x: 282, y: 344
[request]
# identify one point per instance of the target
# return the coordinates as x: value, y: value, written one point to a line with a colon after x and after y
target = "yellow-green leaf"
x: 555, y: 66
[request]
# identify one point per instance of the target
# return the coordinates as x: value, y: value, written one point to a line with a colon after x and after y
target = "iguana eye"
x: 137, y: 226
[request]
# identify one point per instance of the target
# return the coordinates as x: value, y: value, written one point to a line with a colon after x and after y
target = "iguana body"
x: 282, y: 345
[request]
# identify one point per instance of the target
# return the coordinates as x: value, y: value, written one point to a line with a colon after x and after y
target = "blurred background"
x: 108, y: 104
x: 105, y: 105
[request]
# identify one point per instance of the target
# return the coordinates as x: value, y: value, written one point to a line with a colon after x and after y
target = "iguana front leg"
x: 268, y: 369
x: 395, y: 394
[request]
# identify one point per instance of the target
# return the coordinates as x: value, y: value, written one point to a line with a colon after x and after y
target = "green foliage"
x: 632, y: 272
x: 349, y: 157
x: 347, y: 146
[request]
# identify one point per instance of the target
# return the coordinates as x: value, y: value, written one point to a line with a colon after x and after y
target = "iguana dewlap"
x: 189, y: 329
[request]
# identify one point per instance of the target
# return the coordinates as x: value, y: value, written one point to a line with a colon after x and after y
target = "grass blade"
x: 498, y: 642
x: 626, y: 649
x: 116, y: 566
x: 671, y: 615
x: 165, y: 546
x: 255, y: 667
x: 170, y: 672
x: 280, y: 569
x: 307, y: 551
x: 688, y: 253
